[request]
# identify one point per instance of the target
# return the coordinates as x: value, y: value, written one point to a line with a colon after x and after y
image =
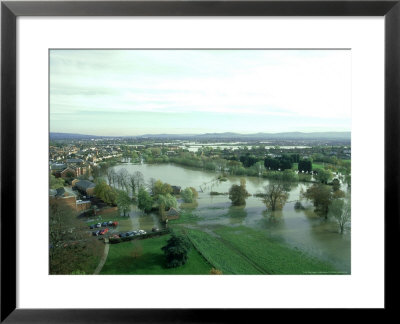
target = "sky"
x: 136, y: 92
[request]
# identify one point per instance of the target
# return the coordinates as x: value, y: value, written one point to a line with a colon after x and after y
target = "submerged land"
x: 218, y: 203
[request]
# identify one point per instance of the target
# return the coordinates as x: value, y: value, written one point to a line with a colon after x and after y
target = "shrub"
x: 176, y: 250
x: 187, y: 195
x: 298, y: 205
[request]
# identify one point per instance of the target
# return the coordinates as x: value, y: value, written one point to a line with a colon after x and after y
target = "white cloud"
x: 307, y: 84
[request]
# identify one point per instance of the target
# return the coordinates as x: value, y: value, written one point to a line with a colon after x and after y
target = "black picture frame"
x: 10, y: 10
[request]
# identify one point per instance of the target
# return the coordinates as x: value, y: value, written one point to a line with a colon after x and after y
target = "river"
x: 301, y: 229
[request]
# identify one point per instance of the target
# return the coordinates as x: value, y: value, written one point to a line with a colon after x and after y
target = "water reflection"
x: 299, y: 228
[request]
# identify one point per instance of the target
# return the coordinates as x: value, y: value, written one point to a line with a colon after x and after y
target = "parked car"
x: 115, y: 224
x: 104, y: 224
x: 98, y: 225
x: 110, y: 223
x: 155, y: 229
x: 141, y: 232
x: 103, y: 231
x: 122, y: 234
x: 95, y: 233
x: 130, y: 234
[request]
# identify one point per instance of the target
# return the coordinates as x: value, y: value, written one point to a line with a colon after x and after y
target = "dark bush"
x: 298, y: 206
x: 176, y: 250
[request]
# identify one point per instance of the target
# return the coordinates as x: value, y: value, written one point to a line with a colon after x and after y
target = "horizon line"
x: 209, y: 133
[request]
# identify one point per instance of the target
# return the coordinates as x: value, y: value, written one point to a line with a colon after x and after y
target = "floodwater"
x: 301, y: 229
x: 196, y: 147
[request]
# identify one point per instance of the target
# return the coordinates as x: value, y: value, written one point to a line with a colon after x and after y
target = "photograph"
x: 199, y: 161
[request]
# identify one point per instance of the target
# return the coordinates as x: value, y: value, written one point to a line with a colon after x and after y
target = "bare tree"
x: 139, y: 178
x: 110, y: 175
x: 132, y: 183
x: 122, y: 179
x: 275, y: 196
x: 151, y: 184
x: 135, y: 181
x: 341, y: 212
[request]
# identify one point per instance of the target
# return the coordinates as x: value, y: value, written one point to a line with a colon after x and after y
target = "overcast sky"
x: 132, y: 92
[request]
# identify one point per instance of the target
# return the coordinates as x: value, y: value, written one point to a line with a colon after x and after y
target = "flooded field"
x: 300, y: 229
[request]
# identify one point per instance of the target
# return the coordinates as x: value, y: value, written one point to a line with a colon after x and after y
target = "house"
x: 68, y: 173
x: 56, y: 168
x: 73, y: 183
x: 86, y: 187
x: 74, y: 161
x: 172, y: 213
x: 62, y: 197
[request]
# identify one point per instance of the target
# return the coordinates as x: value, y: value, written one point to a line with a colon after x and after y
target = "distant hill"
x: 282, y: 136
x: 221, y: 136
x: 66, y: 136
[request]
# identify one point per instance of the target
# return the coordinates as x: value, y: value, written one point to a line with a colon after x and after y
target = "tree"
x: 132, y: 184
x: 338, y: 194
x: 103, y: 191
x: 122, y: 178
x: 95, y: 171
x: 238, y: 194
x: 138, y: 178
x: 166, y: 202
x: 187, y: 195
x: 151, y: 185
x: 321, y: 196
x: 56, y: 183
x: 64, y: 257
x: 195, y: 193
x: 135, y: 181
x: 341, y: 212
x: 285, y: 163
x: 323, y: 176
x: 305, y: 166
x: 275, y: 196
x: 100, y: 188
x: 145, y: 202
x: 271, y: 164
x: 135, y: 156
x: 111, y: 176
x: 161, y: 188
x: 259, y: 166
x: 176, y: 251
x: 123, y: 202
x: 335, y: 184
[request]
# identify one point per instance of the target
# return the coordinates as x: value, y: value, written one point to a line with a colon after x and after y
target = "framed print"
x: 165, y: 155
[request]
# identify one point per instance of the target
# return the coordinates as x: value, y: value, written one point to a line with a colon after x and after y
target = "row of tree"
x: 132, y: 187
x: 328, y: 200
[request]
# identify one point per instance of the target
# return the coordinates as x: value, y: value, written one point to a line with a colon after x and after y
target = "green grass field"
x: 149, y: 259
x: 270, y: 256
x: 220, y: 255
x: 318, y: 165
